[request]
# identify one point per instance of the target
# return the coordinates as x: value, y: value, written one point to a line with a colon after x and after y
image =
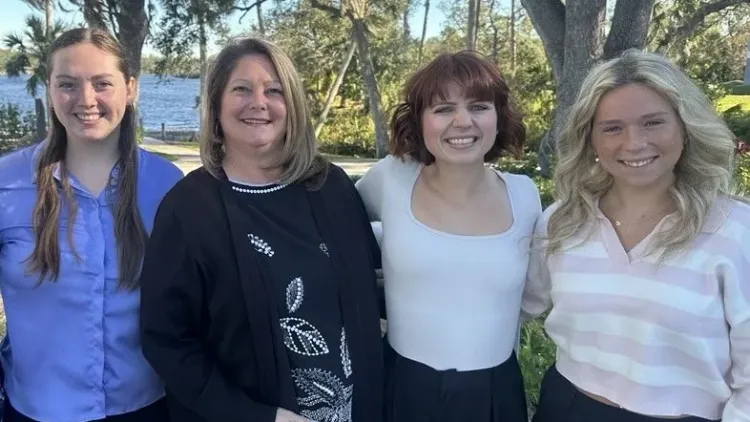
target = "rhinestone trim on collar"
x: 259, y: 191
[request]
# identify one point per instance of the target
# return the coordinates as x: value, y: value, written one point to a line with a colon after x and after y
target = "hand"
x: 283, y: 415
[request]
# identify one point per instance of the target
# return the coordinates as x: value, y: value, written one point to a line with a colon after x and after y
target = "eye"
x: 275, y: 91
x: 443, y: 110
x: 611, y: 129
x: 652, y: 123
x: 104, y: 84
x: 478, y: 107
x: 66, y: 85
x: 240, y: 88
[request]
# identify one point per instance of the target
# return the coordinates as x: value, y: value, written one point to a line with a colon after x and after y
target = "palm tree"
x: 46, y: 6
x: 30, y: 51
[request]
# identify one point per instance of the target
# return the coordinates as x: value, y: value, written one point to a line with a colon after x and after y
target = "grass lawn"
x: 733, y: 100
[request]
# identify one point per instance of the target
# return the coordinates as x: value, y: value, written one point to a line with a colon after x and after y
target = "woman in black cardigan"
x: 259, y: 298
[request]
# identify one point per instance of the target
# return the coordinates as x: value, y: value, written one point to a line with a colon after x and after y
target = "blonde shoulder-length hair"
x: 300, y: 160
x: 703, y: 172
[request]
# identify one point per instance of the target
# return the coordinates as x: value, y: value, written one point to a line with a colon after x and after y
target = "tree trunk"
x: 48, y: 10
x: 202, y: 59
x: 41, y: 123
x: 513, y: 37
x: 133, y: 29
x: 261, y: 27
x: 424, y: 28
x: 93, y: 14
x: 371, y: 85
x: 471, y: 26
x: 334, y: 89
x: 405, y: 23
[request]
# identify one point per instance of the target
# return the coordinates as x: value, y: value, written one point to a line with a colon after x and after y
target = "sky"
x: 14, y: 13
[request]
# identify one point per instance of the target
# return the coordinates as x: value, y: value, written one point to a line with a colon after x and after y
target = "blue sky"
x: 15, y: 11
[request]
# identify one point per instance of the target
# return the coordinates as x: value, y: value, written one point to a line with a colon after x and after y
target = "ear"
x: 132, y: 88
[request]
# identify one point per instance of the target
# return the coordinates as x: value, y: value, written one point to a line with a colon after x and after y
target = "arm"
x: 537, y: 297
x: 737, y: 313
x: 171, y: 303
x: 371, y: 188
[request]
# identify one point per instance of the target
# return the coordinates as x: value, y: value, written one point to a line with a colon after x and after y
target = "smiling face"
x: 253, y: 109
x: 89, y: 93
x: 459, y: 130
x: 638, y: 136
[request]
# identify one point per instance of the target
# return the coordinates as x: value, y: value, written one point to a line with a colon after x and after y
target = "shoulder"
x: 158, y: 167
x: 17, y: 168
x: 525, y: 191
x: 729, y: 214
x: 197, y: 190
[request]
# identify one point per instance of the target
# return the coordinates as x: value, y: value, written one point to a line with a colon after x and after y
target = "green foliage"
x: 349, y: 132
x: 738, y: 121
x: 14, y: 126
x: 30, y: 51
x: 535, y: 355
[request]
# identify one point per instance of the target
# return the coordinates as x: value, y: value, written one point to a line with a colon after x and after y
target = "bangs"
x: 475, y: 80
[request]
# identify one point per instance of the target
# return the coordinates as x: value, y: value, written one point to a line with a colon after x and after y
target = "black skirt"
x: 561, y: 401
x: 416, y: 392
x: 155, y: 412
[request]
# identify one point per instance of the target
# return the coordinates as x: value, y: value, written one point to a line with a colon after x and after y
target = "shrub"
x: 16, y: 128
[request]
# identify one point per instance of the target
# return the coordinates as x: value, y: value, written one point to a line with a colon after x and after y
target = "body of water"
x: 171, y: 102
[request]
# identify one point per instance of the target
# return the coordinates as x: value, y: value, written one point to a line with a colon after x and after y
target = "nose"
x: 87, y: 96
x: 257, y: 100
x: 635, y: 139
x: 462, y: 118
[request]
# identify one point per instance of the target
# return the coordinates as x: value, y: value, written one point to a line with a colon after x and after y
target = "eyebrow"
x: 453, y: 103
x: 273, y: 81
x: 103, y: 75
x: 645, y: 116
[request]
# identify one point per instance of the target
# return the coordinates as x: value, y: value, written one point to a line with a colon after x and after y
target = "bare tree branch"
x: 691, y: 24
x: 247, y: 9
x: 629, y: 26
x: 548, y: 18
x: 334, y: 12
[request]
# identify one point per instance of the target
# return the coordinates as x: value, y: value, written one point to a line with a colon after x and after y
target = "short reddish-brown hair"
x: 480, y: 80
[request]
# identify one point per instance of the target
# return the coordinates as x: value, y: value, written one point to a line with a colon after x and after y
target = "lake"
x: 171, y: 102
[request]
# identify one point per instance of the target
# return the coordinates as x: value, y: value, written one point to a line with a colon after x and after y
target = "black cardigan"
x: 208, y: 315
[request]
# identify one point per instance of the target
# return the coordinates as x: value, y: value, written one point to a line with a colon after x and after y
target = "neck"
x: 638, y: 201
x: 86, y: 157
x: 455, y: 181
x: 244, y: 165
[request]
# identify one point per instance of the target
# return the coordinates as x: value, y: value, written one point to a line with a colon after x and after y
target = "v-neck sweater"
x: 662, y: 339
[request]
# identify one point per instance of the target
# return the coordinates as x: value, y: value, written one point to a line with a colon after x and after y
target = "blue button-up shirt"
x: 72, y: 351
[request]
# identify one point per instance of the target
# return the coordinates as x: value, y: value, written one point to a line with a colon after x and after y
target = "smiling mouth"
x: 256, y: 122
x: 462, y: 142
x: 638, y: 163
x: 89, y: 117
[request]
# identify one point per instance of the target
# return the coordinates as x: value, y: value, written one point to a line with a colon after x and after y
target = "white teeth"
x: 256, y: 121
x: 639, y: 163
x: 89, y: 117
x: 460, y: 141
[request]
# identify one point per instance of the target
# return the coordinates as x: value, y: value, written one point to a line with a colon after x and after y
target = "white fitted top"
x: 453, y: 301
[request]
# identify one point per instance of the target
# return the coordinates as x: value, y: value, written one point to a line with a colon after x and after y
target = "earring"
x: 596, y: 157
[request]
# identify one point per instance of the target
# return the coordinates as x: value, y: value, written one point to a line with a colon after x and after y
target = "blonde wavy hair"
x: 300, y: 160
x: 703, y: 172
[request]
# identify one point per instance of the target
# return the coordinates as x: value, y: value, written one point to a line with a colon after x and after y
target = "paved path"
x: 187, y: 158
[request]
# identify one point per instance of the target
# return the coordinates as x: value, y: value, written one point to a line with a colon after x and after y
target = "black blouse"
x: 212, y: 307
x: 286, y: 237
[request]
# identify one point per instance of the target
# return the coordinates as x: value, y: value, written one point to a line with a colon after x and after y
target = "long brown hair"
x: 129, y: 230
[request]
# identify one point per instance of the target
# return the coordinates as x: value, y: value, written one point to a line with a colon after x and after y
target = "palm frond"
x: 31, y: 85
x: 17, y: 65
x: 13, y: 41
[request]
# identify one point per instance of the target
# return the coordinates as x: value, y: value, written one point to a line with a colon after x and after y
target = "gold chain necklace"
x: 645, y: 217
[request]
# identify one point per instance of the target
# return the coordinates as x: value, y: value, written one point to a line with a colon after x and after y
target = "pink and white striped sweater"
x: 668, y: 340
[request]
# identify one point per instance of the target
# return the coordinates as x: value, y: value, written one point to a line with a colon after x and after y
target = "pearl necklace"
x: 259, y: 191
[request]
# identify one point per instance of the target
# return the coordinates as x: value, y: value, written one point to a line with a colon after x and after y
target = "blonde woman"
x: 644, y: 259
x: 260, y: 300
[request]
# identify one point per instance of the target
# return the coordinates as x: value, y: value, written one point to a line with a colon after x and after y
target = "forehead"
x: 630, y: 101
x: 255, y: 67
x: 84, y: 60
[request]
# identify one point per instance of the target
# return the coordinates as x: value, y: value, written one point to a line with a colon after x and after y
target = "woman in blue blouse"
x: 75, y: 213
